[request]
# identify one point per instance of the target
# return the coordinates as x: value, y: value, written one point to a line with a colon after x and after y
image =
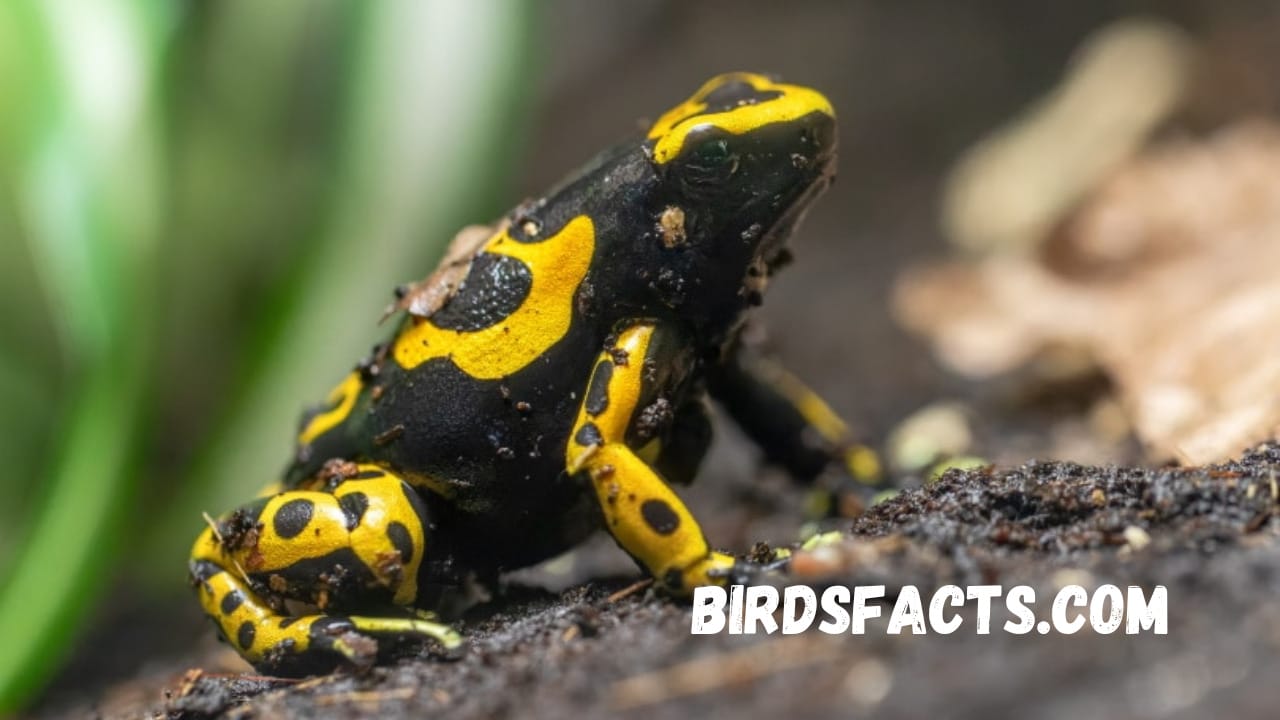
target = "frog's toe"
x: 746, y: 572
x: 415, y: 632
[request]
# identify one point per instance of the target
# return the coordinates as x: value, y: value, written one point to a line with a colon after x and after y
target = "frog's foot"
x: 349, y: 550
x: 740, y: 572
x: 297, y: 645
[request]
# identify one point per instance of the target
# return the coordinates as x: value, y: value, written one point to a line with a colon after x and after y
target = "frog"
x: 549, y: 379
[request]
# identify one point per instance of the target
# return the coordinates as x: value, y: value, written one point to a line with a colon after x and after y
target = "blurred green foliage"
x: 203, y: 207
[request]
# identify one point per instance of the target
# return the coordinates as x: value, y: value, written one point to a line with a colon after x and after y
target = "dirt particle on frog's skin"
x: 506, y: 453
x: 670, y: 287
x: 650, y: 370
x: 655, y: 416
x: 620, y: 356
x: 585, y: 298
x: 523, y: 407
x: 760, y: 553
x: 335, y: 470
x: 240, y: 531
x: 671, y: 227
x: 780, y: 259
x: 277, y: 583
x: 389, y: 436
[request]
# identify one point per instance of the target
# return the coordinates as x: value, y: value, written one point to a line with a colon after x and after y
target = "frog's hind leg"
x: 792, y: 424
x: 356, y: 548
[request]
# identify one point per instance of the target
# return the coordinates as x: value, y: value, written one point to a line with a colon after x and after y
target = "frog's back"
x: 473, y: 402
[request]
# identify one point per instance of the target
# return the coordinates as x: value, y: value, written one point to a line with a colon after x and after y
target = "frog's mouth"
x: 772, y: 250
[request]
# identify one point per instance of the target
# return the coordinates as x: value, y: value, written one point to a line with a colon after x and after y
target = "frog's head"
x: 738, y: 164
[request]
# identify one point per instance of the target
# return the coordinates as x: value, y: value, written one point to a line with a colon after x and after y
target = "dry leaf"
x: 1166, y: 275
x: 425, y: 297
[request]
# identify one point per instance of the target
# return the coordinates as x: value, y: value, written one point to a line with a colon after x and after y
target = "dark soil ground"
x: 915, y: 83
x: 606, y: 646
x: 603, y: 647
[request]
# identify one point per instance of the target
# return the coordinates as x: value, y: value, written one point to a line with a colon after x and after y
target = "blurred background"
x: 204, y: 207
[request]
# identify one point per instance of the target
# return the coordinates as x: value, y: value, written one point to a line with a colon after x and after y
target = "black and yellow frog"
x: 548, y: 379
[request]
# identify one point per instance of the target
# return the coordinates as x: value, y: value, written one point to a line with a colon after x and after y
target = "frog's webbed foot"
x: 746, y: 572
x: 356, y: 548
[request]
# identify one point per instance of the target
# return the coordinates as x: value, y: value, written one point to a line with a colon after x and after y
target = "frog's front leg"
x: 357, y: 548
x: 623, y: 401
x: 792, y: 425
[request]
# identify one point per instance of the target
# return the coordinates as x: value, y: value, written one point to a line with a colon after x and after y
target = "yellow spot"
x: 343, y: 397
x: 862, y: 463
x: 557, y: 265
x: 674, y: 126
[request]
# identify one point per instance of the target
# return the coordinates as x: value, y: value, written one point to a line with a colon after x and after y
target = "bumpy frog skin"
x: 545, y: 382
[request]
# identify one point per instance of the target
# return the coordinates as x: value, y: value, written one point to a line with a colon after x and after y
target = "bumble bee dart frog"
x: 547, y: 380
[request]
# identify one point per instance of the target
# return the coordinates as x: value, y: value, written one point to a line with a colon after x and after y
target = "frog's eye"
x: 710, y: 164
x: 712, y: 153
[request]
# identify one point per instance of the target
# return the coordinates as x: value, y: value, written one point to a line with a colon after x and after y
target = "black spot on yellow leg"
x: 354, y: 504
x: 645, y: 517
x: 231, y: 601
x: 401, y: 540
x: 245, y: 635
x: 640, y: 510
x: 659, y: 516
x: 291, y: 518
x: 598, y: 390
x: 588, y: 435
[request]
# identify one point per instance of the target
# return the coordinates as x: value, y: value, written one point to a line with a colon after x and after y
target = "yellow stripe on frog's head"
x: 736, y: 103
